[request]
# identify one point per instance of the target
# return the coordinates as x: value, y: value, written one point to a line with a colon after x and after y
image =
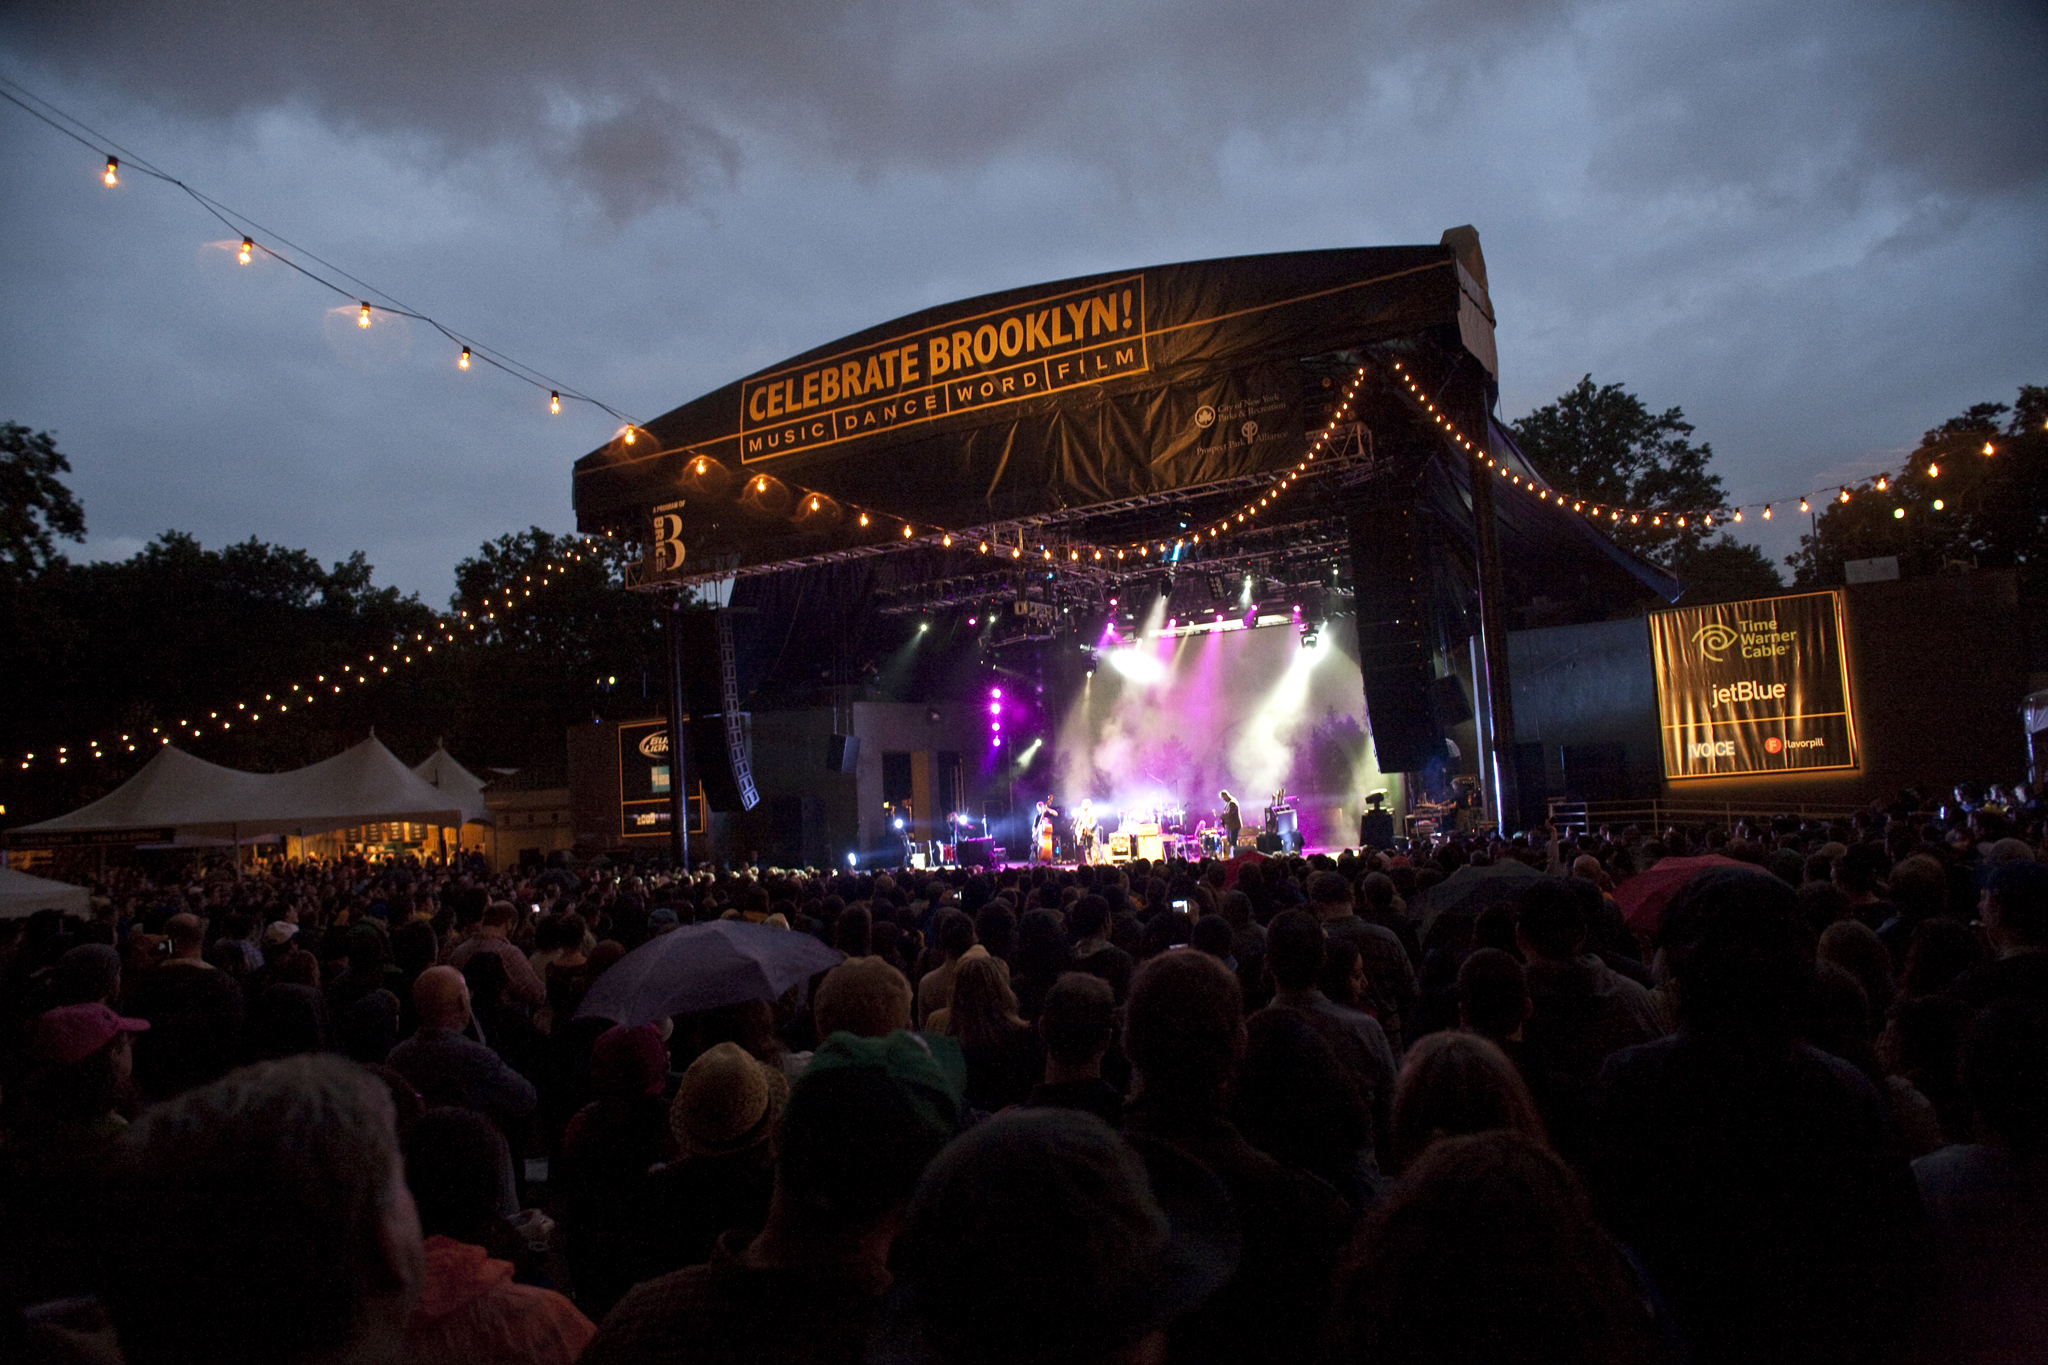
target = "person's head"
x: 1452, y: 1083
x: 1552, y: 924
x: 1035, y: 1239
x: 1858, y: 869
x: 80, y: 1060
x: 1377, y: 890
x: 187, y: 933
x: 1940, y: 950
x: 1342, y: 976
x: 984, y: 1006
x: 995, y: 928
x: 1212, y: 934
x: 854, y: 931
x: 457, y: 1165
x: 1294, y: 949
x: 1918, y: 887
x: 862, y: 1122
x: 264, y: 1217
x: 954, y: 933
x: 286, y: 1020
x: 727, y: 1102
x: 1488, y: 1250
x: 86, y: 975
x: 1184, y: 1027
x: 1735, y: 943
x: 1090, y: 917
x: 1855, y: 947
x: 628, y: 1063
x: 1295, y: 1100
x: 1076, y: 1019
x: 498, y: 917
x: 865, y: 996
x: 440, y: 998
x: 2015, y: 906
x: 1493, y: 994
x: 1329, y: 894
x: 2005, y: 1074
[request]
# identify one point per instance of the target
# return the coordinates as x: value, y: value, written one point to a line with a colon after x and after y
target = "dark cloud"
x: 1815, y: 227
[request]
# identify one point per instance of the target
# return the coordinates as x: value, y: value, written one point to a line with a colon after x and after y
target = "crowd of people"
x: 1381, y: 1106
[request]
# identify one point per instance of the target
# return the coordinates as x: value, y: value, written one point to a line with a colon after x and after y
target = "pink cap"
x: 75, y: 1032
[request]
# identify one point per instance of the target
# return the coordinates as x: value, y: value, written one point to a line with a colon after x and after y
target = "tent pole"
x: 678, y: 792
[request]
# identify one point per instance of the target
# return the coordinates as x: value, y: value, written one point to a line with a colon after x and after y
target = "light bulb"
x: 363, y: 315
x: 1803, y: 506
x: 700, y: 466
x: 554, y: 401
x: 629, y: 435
x: 1880, y: 483
x: 1938, y: 504
x: 761, y: 484
x: 248, y: 250
x: 1845, y: 495
x: 113, y: 175
x: 863, y: 518
x: 1990, y: 449
x: 906, y: 533
x: 462, y: 361
x: 1933, y: 470
x: 814, y: 504
x: 1898, y: 513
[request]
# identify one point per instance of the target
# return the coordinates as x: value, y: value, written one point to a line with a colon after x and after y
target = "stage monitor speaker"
x: 975, y: 853
x: 1387, y: 568
x: 842, y: 753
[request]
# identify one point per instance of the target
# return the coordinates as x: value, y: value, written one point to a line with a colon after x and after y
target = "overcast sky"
x: 1817, y: 228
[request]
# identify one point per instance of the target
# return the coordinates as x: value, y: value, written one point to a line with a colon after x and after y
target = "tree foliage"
x: 35, y: 506
x: 1727, y: 570
x: 1600, y: 443
x: 1993, y: 513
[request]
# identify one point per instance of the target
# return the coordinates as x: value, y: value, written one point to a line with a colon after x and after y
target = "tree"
x: 1727, y: 570
x: 35, y: 506
x: 1601, y: 444
x: 1991, y: 487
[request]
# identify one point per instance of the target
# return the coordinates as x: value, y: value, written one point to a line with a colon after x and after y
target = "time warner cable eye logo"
x: 1712, y: 638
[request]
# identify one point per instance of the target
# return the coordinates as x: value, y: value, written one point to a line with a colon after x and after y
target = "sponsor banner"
x: 1754, y: 687
x: 91, y: 838
x: 645, y: 772
x: 1017, y: 404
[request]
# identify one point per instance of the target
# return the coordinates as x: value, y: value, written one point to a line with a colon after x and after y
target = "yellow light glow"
x: 247, y: 252
x: 1938, y: 504
x: 863, y: 518
x: 554, y: 401
x: 363, y: 316
x: 1933, y: 470
x: 113, y: 175
x: 1990, y: 449
x: 906, y: 533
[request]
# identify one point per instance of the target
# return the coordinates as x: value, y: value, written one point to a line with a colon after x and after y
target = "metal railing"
x: 1658, y: 813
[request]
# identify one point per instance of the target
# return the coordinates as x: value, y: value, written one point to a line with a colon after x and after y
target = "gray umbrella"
x: 1471, y: 889
x: 704, y: 966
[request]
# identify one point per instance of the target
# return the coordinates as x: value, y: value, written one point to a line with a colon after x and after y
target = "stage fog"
x: 1167, y: 720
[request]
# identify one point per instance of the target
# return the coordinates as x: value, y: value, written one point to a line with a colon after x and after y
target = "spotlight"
x: 1310, y: 637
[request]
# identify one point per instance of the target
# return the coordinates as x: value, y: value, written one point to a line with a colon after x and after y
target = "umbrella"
x: 1642, y: 898
x: 1471, y: 889
x: 704, y: 966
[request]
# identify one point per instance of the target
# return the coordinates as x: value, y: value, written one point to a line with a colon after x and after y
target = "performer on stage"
x: 1086, y: 830
x: 1042, y: 829
x: 1232, y: 822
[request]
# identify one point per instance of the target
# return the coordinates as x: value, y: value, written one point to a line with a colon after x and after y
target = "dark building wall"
x: 1585, y: 695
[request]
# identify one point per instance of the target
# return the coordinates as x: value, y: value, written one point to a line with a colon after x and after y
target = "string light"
x: 1803, y: 507
x: 462, y: 361
x: 554, y: 400
x: 363, y: 316
x: 113, y: 175
x: 1990, y: 449
x: 247, y: 252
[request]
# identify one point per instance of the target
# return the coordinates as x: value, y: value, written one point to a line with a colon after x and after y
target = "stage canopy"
x: 440, y: 770
x: 177, y: 794
x: 1101, y: 412
x: 22, y: 895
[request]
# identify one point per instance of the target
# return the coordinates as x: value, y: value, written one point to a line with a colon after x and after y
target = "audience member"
x: 1076, y: 1027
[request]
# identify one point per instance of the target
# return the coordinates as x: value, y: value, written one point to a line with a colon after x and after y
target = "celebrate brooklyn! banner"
x: 1753, y: 687
x: 1031, y: 401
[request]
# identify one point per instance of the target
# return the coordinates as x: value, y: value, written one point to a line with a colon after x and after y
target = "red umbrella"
x: 1642, y: 898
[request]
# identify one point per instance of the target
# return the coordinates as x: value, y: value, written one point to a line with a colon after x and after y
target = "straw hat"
x: 726, y: 1102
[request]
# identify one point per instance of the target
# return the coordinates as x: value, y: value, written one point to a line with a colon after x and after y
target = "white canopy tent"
x: 189, y: 796
x: 22, y: 895
x: 440, y: 770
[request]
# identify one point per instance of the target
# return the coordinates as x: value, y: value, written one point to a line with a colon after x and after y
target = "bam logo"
x: 654, y: 745
x: 1711, y: 748
x: 1713, y: 638
x: 665, y: 551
